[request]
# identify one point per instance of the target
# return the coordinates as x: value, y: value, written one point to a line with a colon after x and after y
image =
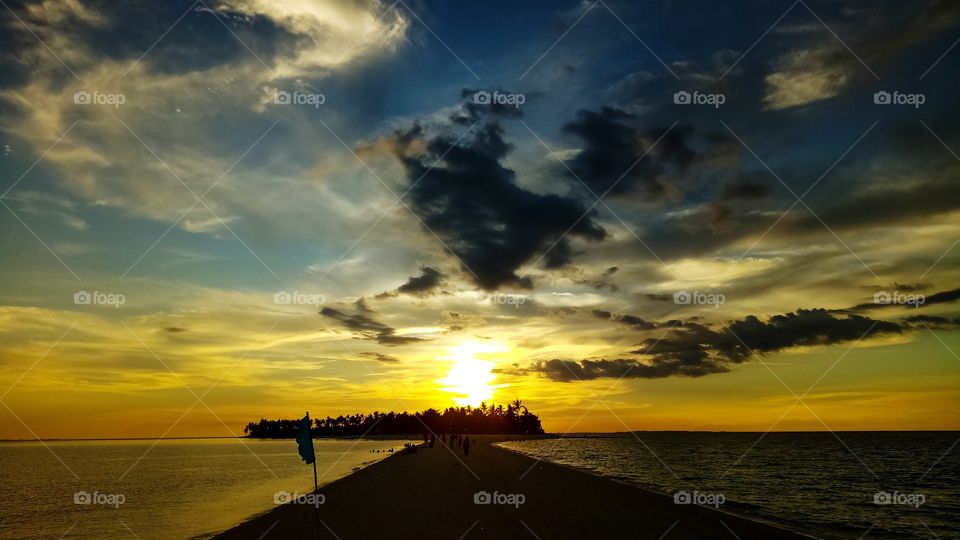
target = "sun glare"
x: 469, y: 378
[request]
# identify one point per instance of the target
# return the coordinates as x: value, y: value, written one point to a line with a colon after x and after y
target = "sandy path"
x: 430, y: 494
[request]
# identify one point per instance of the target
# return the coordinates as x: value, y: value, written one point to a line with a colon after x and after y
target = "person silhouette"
x: 466, y: 446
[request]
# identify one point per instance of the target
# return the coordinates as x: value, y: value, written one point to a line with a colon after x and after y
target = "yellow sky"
x: 131, y: 378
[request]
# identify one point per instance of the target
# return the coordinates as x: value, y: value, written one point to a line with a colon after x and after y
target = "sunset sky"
x: 277, y: 206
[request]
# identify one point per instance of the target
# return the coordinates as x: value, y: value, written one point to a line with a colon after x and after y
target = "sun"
x: 469, y: 378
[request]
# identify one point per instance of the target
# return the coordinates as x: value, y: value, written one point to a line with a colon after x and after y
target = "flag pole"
x: 316, y: 487
x: 306, y: 451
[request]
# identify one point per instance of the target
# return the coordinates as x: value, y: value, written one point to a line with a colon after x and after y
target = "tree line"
x: 515, y: 418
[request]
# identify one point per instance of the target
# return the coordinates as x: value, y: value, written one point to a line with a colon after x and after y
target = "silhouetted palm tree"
x: 516, y: 418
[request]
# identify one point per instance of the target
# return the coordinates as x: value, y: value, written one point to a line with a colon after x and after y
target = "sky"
x: 668, y: 215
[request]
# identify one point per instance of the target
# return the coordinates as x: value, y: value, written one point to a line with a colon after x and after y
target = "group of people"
x: 456, y: 440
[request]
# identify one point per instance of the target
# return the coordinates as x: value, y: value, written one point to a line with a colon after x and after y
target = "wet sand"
x: 430, y: 494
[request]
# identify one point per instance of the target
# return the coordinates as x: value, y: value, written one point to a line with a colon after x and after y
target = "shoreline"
x: 433, y: 492
x: 323, y: 485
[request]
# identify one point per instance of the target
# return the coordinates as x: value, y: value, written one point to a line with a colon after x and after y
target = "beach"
x: 434, y: 493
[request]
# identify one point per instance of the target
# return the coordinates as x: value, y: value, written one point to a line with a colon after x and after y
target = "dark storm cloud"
x: 926, y: 319
x: 379, y: 357
x: 422, y: 285
x: 629, y: 320
x: 651, y: 92
x: 603, y: 280
x: 473, y: 110
x: 742, y: 208
x: 733, y: 217
x: 612, y: 148
x: 745, y: 190
x: 805, y: 327
x: 708, y: 228
x: 474, y: 204
x: 368, y: 327
x: 428, y: 280
x: 736, y: 211
x: 692, y: 349
x: 585, y: 370
x: 737, y: 341
x: 891, y: 28
x: 702, y: 230
x: 905, y: 287
x: 931, y: 322
x: 887, y: 206
x: 942, y: 297
x: 691, y: 343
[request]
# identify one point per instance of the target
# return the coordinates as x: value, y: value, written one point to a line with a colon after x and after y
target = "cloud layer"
x: 464, y: 194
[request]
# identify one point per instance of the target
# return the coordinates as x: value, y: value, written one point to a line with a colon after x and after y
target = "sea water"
x: 167, y: 489
x: 830, y: 485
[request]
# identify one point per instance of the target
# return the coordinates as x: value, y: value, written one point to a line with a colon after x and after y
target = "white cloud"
x: 189, y: 120
x: 334, y: 32
x: 804, y: 77
x: 58, y: 11
x: 48, y: 206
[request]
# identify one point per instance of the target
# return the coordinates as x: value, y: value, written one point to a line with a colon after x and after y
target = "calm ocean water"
x: 809, y: 482
x: 179, y: 489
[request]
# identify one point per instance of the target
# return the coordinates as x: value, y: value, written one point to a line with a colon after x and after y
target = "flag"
x: 305, y: 442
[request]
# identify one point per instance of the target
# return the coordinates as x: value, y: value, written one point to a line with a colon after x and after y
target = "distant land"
x: 514, y: 419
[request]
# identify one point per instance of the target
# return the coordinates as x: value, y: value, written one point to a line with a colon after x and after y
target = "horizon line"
x: 545, y: 435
